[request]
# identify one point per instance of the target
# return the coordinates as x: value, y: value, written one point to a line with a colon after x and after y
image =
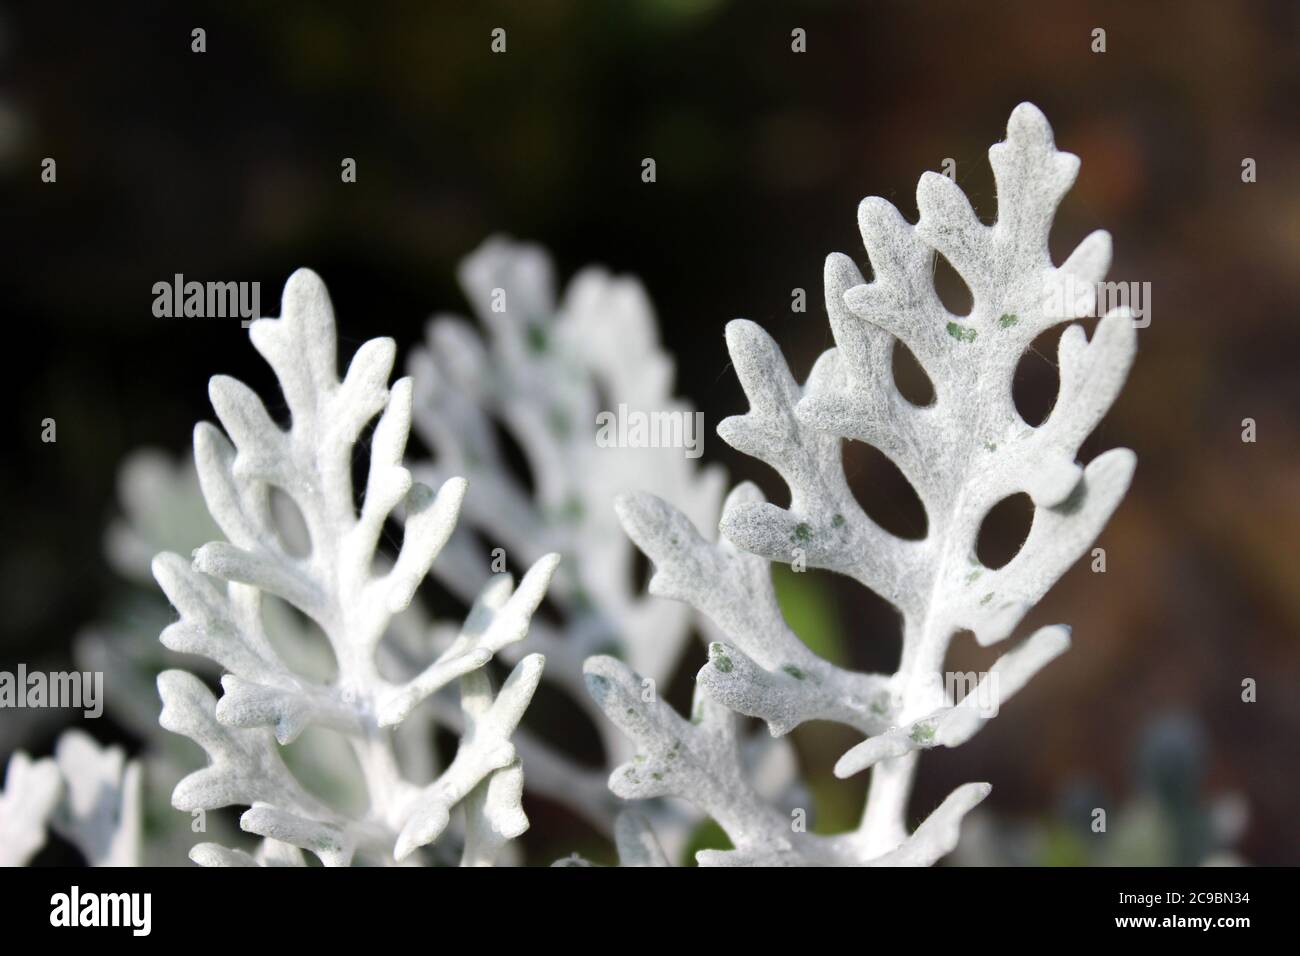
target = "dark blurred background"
x: 226, y: 165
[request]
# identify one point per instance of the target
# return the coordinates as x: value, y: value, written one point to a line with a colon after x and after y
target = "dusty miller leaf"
x: 963, y: 453
x: 328, y: 566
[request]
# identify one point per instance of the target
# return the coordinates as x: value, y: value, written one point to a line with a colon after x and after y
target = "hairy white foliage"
x: 125, y: 648
x: 321, y: 556
x: 31, y: 792
x: 635, y: 841
x: 310, y: 626
x: 963, y: 453
x: 162, y: 510
x: 700, y: 761
x: 89, y: 795
x: 542, y: 372
x: 104, y: 800
x: 270, y: 853
x: 101, y: 810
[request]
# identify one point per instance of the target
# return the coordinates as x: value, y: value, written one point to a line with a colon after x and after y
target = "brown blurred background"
x: 226, y: 164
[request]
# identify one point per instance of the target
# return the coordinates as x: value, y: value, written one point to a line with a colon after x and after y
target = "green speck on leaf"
x: 961, y: 333
x: 572, y: 509
x: 657, y: 776
x: 970, y: 578
x: 1008, y: 320
x: 793, y: 671
x: 837, y: 521
x: 802, y: 531
x: 537, y: 340
x: 986, y: 598
x: 559, y: 423
x: 418, y: 498
x: 723, y: 663
x: 923, y: 733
